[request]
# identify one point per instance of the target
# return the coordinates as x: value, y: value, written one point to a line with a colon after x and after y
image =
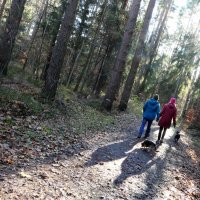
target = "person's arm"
x: 174, y: 118
x: 145, y: 105
x: 158, y: 112
x: 163, y: 110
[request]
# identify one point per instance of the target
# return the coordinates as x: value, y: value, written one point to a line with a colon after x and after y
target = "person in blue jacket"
x: 151, y: 111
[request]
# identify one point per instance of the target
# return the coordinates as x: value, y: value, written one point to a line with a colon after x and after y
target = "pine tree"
x: 137, y: 57
x: 119, y: 67
x: 9, y: 34
x: 58, y: 54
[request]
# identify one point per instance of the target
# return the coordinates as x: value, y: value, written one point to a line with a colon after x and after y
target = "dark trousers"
x: 162, y: 132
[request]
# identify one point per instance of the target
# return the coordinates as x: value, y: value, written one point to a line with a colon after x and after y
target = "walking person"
x: 166, y: 115
x: 151, y: 110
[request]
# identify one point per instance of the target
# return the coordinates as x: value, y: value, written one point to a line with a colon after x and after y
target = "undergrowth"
x: 86, y: 118
x: 195, y: 137
x: 8, y: 95
x: 135, y: 106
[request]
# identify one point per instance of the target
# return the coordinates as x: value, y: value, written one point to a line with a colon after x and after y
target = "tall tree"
x: 2, y: 8
x: 154, y: 44
x: 91, y: 48
x: 137, y: 57
x: 79, y: 40
x: 42, y: 12
x: 9, y: 34
x: 119, y: 66
x: 56, y: 27
x: 58, y: 54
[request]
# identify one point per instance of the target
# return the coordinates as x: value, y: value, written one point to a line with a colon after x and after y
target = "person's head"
x: 172, y: 100
x: 156, y: 97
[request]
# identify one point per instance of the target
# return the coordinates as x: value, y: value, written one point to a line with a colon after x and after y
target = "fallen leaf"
x: 24, y: 175
x: 9, y: 161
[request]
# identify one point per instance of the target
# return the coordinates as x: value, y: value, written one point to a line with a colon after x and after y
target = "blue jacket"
x: 151, y: 109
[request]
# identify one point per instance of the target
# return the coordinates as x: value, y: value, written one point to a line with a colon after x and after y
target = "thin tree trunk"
x: 178, y: 84
x: 35, y: 31
x: 2, y: 8
x: 92, y: 48
x: 154, y: 47
x: 89, y: 76
x: 10, y: 33
x: 38, y: 55
x: 137, y: 57
x: 75, y: 64
x: 59, y: 50
x: 120, y: 62
x: 39, y: 51
x: 101, y: 75
x: 79, y: 39
x: 188, y: 97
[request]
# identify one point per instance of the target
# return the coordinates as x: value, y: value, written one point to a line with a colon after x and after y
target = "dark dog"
x: 149, y: 144
x: 177, y: 136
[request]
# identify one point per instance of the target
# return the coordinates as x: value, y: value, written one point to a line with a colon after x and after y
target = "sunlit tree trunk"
x: 119, y: 66
x: 10, y: 33
x: 2, y: 8
x: 58, y: 54
x: 154, y: 46
x: 137, y: 57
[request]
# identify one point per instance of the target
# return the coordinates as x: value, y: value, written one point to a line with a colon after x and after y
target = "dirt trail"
x: 110, y: 166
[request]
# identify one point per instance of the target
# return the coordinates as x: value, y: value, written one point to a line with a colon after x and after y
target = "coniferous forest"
x: 75, y: 80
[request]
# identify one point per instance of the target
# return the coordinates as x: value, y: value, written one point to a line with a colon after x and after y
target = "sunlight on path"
x: 114, y: 171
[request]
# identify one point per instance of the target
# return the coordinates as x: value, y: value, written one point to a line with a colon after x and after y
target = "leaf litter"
x: 42, y: 158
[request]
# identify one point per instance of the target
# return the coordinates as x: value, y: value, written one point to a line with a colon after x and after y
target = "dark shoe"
x: 138, y: 137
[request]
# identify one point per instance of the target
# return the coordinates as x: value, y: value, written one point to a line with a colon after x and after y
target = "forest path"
x: 110, y: 166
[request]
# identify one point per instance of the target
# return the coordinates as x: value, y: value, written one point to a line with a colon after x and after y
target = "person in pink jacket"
x: 166, y: 115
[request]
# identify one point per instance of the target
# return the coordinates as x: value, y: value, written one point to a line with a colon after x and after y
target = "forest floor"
x: 51, y: 162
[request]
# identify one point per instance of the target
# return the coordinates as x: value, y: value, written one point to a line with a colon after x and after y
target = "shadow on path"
x: 137, y: 162
x: 112, y: 151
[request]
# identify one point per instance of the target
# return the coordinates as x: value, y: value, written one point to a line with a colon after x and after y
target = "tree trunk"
x: 154, y: 46
x: 38, y: 55
x: 2, y: 8
x: 52, y: 43
x: 88, y: 79
x: 79, y: 41
x: 35, y: 31
x: 9, y: 34
x: 75, y: 65
x: 120, y: 62
x: 191, y: 89
x: 101, y: 77
x: 59, y: 50
x: 92, y: 48
x: 137, y: 57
